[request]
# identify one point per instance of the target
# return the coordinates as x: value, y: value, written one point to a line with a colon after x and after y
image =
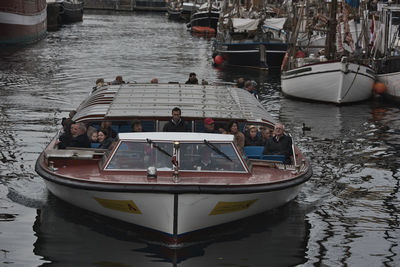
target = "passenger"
x: 176, y: 124
x: 93, y: 137
x: 279, y: 144
x: 240, y: 83
x: 209, y: 126
x: 99, y: 83
x: 137, y: 126
x: 253, y: 139
x: 66, y: 136
x: 107, y: 125
x: 205, y: 161
x: 79, y: 136
x: 192, y: 79
x: 118, y: 80
x: 103, y: 138
x: 249, y: 86
x: 204, y: 82
x: 266, y: 133
x: 154, y: 80
x: 233, y: 128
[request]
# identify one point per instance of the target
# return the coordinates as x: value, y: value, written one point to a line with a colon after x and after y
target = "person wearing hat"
x: 209, y: 126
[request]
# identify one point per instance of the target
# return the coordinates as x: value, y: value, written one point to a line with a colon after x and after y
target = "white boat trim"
x: 18, y: 19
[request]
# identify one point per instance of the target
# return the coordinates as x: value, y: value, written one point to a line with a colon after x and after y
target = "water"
x: 346, y: 215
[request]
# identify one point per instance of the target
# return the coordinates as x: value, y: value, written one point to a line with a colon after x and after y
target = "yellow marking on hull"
x: 120, y: 205
x: 223, y: 207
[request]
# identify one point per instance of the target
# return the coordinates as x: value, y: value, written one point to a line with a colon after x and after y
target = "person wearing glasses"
x: 279, y: 143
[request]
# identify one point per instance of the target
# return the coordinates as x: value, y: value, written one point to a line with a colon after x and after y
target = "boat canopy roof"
x: 156, y: 101
x: 177, y: 136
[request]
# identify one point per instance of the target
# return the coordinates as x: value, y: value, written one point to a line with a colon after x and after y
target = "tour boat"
x: 22, y: 21
x: 152, y: 178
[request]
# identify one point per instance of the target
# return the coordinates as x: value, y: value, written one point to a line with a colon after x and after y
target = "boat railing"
x: 75, y: 153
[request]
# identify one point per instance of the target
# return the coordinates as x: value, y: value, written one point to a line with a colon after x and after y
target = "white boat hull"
x: 334, y: 82
x: 391, y: 81
x: 174, y: 214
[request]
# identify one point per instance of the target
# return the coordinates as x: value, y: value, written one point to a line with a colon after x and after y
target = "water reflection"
x: 63, y: 230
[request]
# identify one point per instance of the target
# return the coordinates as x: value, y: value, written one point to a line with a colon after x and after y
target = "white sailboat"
x: 329, y: 77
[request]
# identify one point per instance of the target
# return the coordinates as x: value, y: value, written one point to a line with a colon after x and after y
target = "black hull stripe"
x: 285, y: 76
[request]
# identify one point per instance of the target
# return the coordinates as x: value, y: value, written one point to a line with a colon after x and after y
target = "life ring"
x: 284, y: 61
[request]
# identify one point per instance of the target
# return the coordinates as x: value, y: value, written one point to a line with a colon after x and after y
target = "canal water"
x: 348, y: 214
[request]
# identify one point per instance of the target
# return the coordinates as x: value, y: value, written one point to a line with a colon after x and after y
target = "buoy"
x: 379, y: 88
x: 218, y: 60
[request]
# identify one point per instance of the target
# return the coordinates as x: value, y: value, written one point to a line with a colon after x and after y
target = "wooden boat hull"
x: 333, y: 82
x: 391, y: 81
x: 71, y: 12
x: 205, y: 19
x: 22, y: 22
x: 262, y: 55
x: 173, y: 214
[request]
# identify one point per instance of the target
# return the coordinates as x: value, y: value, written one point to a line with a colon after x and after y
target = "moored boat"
x: 151, y: 178
x: 386, y: 52
x: 71, y: 10
x: 22, y: 21
x: 206, y: 15
x: 337, y: 77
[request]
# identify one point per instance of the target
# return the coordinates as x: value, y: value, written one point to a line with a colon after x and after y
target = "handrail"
x: 293, y: 151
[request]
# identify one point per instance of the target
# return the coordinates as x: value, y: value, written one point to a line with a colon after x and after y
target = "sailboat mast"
x: 330, y: 45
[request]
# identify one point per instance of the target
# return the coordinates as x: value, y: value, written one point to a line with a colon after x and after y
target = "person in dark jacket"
x: 103, y: 138
x: 209, y: 126
x: 192, y: 79
x: 176, y: 124
x: 279, y: 144
x: 79, y: 137
x: 253, y: 139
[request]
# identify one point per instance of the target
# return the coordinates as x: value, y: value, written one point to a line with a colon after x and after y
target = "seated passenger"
x: 176, y: 124
x: 118, y: 80
x: 66, y: 136
x: 93, y: 137
x: 279, y: 144
x: 233, y: 128
x: 137, y: 126
x: 266, y: 133
x: 209, y: 126
x: 107, y: 125
x: 154, y: 80
x: 252, y: 139
x: 249, y: 86
x: 79, y: 136
x: 205, y: 161
x: 103, y: 138
x: 192, y: 79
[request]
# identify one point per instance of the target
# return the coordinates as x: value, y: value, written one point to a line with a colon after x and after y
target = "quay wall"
x: 126, y: 5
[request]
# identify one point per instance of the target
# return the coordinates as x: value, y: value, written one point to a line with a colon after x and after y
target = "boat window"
x: 206, y: 157
x: 141, y: 155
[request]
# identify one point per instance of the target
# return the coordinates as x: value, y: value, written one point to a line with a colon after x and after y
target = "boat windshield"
x: 199, y: 156
x: 132, y: 155
x: 207, y: 156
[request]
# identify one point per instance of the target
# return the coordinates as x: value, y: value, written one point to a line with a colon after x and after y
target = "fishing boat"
x: 206, y: 15
x: 71, y: 11
x: 257, y: 43
x: 386, y: 52
x: 152, y: 179
x: 337, y: 77
x: 22, y: 21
